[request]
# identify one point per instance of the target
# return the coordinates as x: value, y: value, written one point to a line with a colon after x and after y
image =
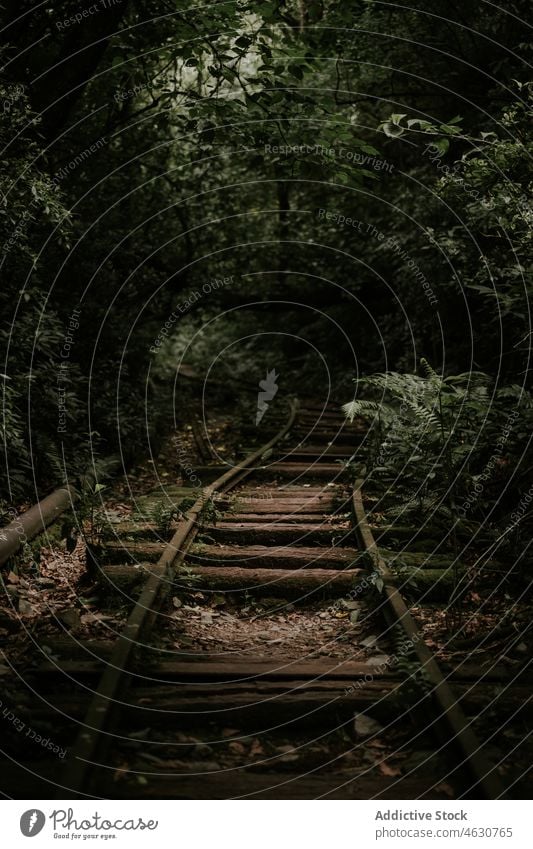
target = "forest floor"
x: 49, y: 596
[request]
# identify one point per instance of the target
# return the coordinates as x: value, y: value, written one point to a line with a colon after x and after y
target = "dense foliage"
x: 351, y: 179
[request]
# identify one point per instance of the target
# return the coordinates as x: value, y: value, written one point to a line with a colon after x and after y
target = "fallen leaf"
x: 140, y: 735
x: 378, y: 660
x: 389, y: 771
x: 70, y: 618
x: 256, y: 748
x: 91, y: 618
x: 365, y: 726
x: 445, y: 788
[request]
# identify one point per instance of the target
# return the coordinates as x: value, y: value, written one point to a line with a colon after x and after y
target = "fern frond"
x: 364, y: 408
x: 423, y: 414
x: 428, y: 371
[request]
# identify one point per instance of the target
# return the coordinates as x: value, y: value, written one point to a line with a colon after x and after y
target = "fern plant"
x: 430, y: 435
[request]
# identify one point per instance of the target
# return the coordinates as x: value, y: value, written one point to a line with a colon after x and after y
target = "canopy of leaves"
x: 360, y: 172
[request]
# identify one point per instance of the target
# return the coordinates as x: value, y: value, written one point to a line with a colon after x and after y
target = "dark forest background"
x: 367, y: 162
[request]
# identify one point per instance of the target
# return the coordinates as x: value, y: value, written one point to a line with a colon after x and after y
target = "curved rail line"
x: 154, y: 591
x: 292, y: 544
x: 397, y: 612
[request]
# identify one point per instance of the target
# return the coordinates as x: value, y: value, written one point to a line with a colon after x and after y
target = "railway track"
x: 267, y: 651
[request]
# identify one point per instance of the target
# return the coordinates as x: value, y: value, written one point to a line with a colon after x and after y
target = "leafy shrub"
x: 442, y: 443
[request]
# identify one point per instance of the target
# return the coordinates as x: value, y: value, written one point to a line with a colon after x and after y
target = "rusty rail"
x: 116, y: 675
x: 35, y: 520
x: 398, y: 613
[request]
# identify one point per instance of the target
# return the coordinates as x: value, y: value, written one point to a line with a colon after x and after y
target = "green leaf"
x: 442, y: 145
x: 392, y: 130
x: 296, y: 71
x: 423, y: 125
x: 266, y: 10
x: 447, y: 128
x: 367, y: 148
